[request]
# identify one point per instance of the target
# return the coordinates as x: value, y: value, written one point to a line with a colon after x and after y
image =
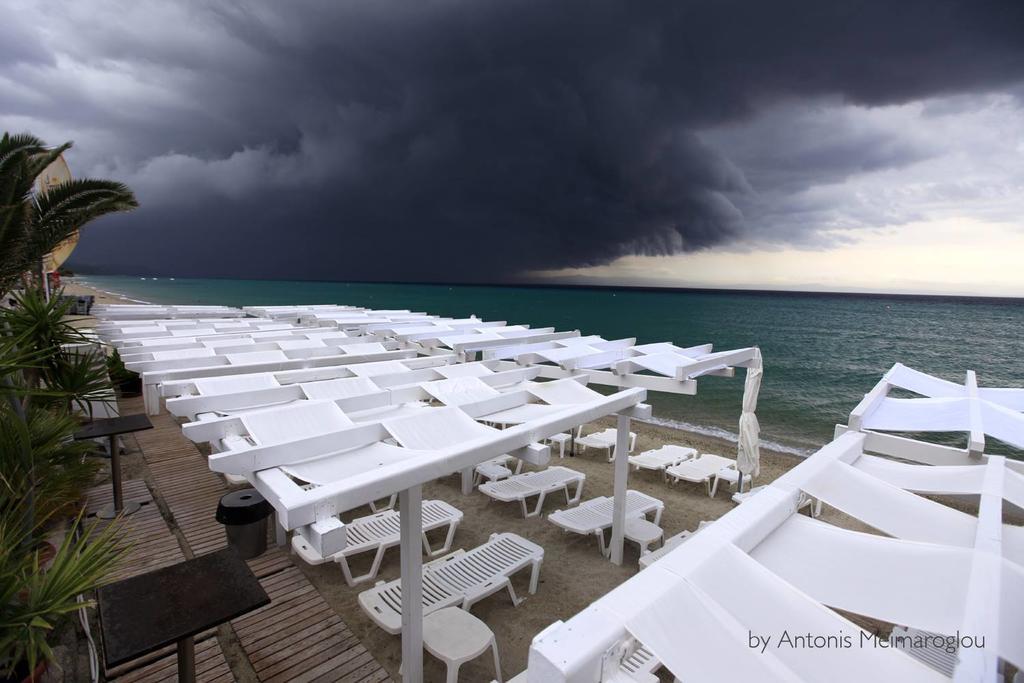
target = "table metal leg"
x: 186, y: 660
x: 111, y: 511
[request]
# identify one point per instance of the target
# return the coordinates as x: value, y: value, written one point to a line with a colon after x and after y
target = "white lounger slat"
x: 520, y: 487
x: 460, y: 579
x: 937, y: 657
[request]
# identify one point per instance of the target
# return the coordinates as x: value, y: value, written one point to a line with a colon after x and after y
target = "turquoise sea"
x: 822, y: 352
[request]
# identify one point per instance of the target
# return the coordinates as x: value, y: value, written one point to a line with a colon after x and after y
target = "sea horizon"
x: 557, y: 284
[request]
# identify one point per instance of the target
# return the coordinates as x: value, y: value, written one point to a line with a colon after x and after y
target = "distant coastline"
x: 750, y: 291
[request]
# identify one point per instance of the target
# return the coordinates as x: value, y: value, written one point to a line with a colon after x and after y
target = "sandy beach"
x: 73, y: 288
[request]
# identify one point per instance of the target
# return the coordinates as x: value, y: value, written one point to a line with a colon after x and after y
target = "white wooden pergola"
x: 357, y: 463
x: 762, y: 568
x: 622, y: 363
x: 943, y: 406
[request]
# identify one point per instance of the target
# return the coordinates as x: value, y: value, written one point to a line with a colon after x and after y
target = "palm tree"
x: 32, y: 224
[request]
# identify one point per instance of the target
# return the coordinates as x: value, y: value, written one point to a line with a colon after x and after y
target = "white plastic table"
x: 643, y: 533
x: 455, y: 636
x: 728, y: 474
x: 561, y: 439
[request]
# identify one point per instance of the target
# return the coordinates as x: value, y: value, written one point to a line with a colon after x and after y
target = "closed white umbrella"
x: 748, y: 455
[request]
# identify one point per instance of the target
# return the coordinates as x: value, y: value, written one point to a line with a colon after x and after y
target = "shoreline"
x: 657, y: 430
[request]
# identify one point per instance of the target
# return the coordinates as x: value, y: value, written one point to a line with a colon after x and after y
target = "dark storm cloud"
x: 462, y: 139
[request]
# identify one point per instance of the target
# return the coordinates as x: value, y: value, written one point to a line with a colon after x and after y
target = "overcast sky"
x: 824, y: 145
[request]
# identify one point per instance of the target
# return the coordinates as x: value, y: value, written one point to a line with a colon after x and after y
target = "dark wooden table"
x: 171, y: 605
x: 112, y: 427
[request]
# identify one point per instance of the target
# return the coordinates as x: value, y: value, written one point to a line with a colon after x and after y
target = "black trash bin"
x: 244, y: 516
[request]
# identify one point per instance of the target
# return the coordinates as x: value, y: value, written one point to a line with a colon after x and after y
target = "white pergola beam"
x: 607, y: 378
x: 151, y: 381
x: 981, y: 615
x: 540, y: 336
x: 868, y: 404
x: 306, y: 506
x: 976, y: 440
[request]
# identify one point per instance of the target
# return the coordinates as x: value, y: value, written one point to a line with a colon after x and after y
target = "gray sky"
x: 855, y: 145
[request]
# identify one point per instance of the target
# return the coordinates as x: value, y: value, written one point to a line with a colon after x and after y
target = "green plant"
x: 47, y: 370
x: 33, y: 601
x: 57, y: 472
x: 119, y: 374
x: 66, y: 368
x: 32, y: 224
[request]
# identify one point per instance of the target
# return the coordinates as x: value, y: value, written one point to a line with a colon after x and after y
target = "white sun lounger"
x: 376, y: 533
x: 637, y: 666
x: 460, y: 579
x: 605, y: 440
x: 937, y: 658
x: 593, y: 517
x: 700, y: 470
x: 522, y: 486
x: 662, y: 458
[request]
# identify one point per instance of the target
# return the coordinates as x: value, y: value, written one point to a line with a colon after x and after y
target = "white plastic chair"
x: 668, y: 545
x: 455, y: 637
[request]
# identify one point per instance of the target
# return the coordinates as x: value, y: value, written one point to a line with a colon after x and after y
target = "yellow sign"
x: 54, y: 174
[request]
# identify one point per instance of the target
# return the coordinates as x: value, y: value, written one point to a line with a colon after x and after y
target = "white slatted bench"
x: 520, y: 487
x: 593, y: 517
x: 459, y: 579
x: 376, y: 533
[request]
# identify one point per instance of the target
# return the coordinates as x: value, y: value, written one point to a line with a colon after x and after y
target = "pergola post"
x: 411, y: 527
x: 467, y: 481
x: 976, y: 442
x: 983, y: 585
x: 621, y: 479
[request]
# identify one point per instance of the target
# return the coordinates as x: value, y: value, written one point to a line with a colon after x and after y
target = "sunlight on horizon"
x: 951, y: 256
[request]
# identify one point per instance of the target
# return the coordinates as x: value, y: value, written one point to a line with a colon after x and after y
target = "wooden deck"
x: 151, y: 545
x: 211, y: 666
x: 297, y: 637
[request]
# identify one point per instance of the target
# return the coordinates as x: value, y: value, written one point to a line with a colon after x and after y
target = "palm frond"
x: 57, y: 212
x: 11, y: 146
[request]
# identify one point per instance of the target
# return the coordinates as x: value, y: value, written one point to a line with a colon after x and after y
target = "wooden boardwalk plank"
x: 210, y: 666
x: 133, y: 490
x: 149, y: 541
x: 297, y: 636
